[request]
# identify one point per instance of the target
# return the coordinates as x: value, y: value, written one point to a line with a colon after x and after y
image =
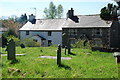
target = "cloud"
x: 57, y: 0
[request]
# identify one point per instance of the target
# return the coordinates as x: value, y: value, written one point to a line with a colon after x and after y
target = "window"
x: 35, y: 40
x: 72, y: 31
x: 49, y: 33
x: 49, y: 42
x: 97, y: 32
x: 27, y: 32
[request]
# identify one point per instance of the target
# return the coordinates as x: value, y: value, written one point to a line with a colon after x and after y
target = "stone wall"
x: 87, y: 33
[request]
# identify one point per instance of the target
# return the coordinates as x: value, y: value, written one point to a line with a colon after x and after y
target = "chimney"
x: 70, y: 13
x: 32, y: 19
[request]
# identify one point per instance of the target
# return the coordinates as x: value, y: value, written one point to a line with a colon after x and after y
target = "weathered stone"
x: 59, y: 55
x: 65, y: 49
x: 117, y: 56
x: 11, y: 50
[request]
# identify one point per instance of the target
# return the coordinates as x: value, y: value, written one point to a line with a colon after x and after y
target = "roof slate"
x: 85, y: 21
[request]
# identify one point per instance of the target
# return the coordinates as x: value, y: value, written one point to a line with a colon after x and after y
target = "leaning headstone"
x: 59, y: 55
x: 22, y: 45
x: 11, y: 50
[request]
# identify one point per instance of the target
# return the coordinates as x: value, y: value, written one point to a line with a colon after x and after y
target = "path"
x: 53, y: 57
x: 15, y: 54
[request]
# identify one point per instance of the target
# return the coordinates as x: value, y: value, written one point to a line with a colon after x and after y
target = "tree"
x: 106, y: 11
x: 59, y: 11
x: 53, y: 12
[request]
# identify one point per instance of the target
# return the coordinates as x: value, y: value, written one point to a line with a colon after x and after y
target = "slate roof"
x: 85, y: 21
x: 44, y: 24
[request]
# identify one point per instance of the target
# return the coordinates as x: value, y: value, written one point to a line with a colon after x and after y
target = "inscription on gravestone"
x: 11, y: 50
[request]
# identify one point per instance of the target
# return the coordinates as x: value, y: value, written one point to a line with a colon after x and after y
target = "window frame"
x: 49, y: 33
x: 27, y: 32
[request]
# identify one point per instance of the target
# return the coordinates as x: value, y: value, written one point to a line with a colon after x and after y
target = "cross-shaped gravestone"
x: 11, y: 50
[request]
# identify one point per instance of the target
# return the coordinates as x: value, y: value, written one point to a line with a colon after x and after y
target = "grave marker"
x: 117, y: 56
x: 65, y: 49
x: 59, y: 55
x: 11, y: 50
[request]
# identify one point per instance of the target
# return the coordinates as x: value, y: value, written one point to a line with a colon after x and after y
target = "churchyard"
x: 82, y: 63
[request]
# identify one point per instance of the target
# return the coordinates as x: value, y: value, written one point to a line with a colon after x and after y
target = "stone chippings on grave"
x: 117, y: 56
x: 59, y: 55
x: 11, y: 50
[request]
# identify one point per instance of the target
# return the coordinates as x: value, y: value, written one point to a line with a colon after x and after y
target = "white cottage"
x: 45, y: 31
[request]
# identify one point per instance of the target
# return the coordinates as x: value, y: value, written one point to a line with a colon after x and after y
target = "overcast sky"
x: 81, y: 7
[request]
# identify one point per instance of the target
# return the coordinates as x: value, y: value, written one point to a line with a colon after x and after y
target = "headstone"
x: 117, y: 56
x: 65, y: 49
x: 59, y: 55
x: 69, y: 50
x: 11, y: 50
x: 22, y: 45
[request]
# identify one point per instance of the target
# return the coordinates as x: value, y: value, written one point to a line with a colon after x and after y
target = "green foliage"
x: 59, y: 11
x: 10, y: 32
x: 16, y: 40
x: 82, y: 44
x: 53, y: 12
x: 30, y: 43
x: 86, y: 64
x: 106, y: 12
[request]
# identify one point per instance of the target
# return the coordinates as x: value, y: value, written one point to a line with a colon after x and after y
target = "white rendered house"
x: 45, y: 31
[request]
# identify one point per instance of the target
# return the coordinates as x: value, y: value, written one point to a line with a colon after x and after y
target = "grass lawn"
x: 85, y: 64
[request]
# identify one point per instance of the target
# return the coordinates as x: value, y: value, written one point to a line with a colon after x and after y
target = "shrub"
x: 16, y: 40
x: 82, y: 44
x: 30, y: 43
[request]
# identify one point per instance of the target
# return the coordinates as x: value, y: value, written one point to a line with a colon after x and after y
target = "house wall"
x: 56, y: 36
x: 90, y: 34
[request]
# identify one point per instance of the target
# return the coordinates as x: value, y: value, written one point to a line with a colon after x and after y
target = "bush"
x: 16, y: 40
x: 82, y: 44
x: 30, y: 43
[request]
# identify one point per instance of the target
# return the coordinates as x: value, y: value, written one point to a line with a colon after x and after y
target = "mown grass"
x: 85, y: 64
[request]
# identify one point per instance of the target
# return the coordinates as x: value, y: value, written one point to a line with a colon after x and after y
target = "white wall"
x: 56, y: 37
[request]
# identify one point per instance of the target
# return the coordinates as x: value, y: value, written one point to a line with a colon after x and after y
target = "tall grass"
x: 85, y: 64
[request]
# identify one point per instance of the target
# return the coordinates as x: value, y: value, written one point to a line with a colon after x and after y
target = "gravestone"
x: 59, y: 55
x: 69, y: 50
x: 117, y: 56
x: 65, y: 49
x: 22, y: 45
x: 11, y: 50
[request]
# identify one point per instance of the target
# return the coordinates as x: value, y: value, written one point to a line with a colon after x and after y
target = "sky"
x: 81, y: 7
